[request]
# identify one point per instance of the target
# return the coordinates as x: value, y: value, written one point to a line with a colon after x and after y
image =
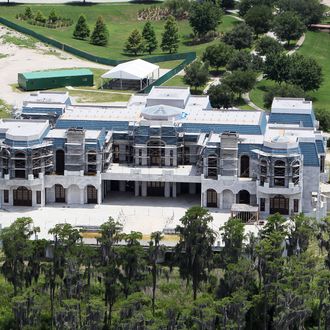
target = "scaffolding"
x: 75, y: 150
x: 229, y: 154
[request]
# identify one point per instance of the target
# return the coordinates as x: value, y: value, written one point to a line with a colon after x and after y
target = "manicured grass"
x: 317, y: 46
x: 257, y: 94
x: 121, y: 20
x: 176, y: 81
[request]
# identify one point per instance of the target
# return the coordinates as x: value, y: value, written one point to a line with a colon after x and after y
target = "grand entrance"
x: 59, y: 194
x: 156, y: 153
x: 279, y: 204
x: 22, y: 197
x: 91, y: 195
x: 211, y: 198
x: 155, y: 188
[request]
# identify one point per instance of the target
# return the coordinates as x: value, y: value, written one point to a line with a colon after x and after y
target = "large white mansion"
x: 167, y: 143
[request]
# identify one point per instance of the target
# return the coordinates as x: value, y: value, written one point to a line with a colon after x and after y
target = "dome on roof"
x: 160, y: 112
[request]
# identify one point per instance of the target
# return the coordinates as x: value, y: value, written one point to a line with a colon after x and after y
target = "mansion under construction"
x: 167, y: 143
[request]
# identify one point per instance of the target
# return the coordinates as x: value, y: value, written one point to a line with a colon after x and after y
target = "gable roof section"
x: 291, y: 118
x: 309, y: 150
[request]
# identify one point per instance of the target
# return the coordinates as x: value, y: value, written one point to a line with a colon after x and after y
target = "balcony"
x: 290, y: 190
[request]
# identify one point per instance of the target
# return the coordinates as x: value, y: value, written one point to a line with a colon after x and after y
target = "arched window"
x: 211, y: 198
x: 243, y: 197
x: 59, y: 194
x: 212, y: 166
x: 91, y: 194
x: 245, y: 166
x: 279, y: 173
x: 295, y: 171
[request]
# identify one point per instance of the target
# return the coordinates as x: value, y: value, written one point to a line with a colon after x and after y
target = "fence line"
x: 186, y: 57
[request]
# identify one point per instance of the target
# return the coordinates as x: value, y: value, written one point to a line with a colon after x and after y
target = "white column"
x: 11, y: 197
x: 137, y: 188
x: 82, y: 196
x: 34, y: 198
x: 167, y: 189
x: 174, y: 189
x: 144, y: 188
x: 219, y: 200
x: 99, y: 195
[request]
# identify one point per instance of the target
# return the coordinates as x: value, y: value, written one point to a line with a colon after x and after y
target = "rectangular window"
x: 262, y: 204
x: 296, y: 205
x: 322, y: 162
x: 38, y: 197
x: 6, y: 196
x: 280, y: 182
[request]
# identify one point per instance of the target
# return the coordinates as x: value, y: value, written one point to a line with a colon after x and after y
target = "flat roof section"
x: 23, y: 130
x: 291, y: 105
x: 56, y: 73
x: 46, y: 97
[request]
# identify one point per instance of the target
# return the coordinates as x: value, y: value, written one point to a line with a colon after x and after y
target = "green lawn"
x: 121, y: 20
x: 98, y: 97
x: 316, y: 45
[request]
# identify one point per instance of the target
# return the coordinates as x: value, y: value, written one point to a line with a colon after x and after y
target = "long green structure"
x: 38, y: 80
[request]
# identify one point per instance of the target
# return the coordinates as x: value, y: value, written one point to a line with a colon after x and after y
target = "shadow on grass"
x: 81, y: 3
x: 9, y: 4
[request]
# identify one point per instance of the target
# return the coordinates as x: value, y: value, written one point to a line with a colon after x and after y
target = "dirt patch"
x: 26, y: 54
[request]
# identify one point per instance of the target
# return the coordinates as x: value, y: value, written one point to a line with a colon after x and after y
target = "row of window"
x: 278, y: 204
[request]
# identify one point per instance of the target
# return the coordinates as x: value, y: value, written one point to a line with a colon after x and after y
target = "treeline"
x: 278, y: 280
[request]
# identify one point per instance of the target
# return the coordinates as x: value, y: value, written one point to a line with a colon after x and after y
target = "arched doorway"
x: 59, y: 194
x: 279, y: 204
x: 227, y: 199
x: 211, y: 198
x: 91, y: 195
x: 22, y: 197
x: 245, y: 166
x: 60, y: 162
x: 243, y: 197
x: 156, y: 153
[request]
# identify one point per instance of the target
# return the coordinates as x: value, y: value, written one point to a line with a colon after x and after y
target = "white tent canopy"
x: 133, y: 70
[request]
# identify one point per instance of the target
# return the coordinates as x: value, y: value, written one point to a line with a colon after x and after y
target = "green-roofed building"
x: 38, y: 80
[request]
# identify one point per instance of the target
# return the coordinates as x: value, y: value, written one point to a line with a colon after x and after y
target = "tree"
x: 204, y: 17
x: 194, y: 249
x: 100, y: 33
x: 196, y: 74
x: 81, y: 30
x: 232, y: 236
x: 28, y: 14
x: 133, y: 263
x: 221, y: 96
x: 305, y: 72
x: 217, y: 55
x: 240, y: 60
x: 149, y: 37
x: 170, y: 36
x: 111, y: 234
x: 16, y: 247
x: 154, y: 252
x: 241, y: 36
x: 134, y: 43
x: 240, y: 81
x: 228, y: 4
x: 259, y: 18
x: 277, y: 67
x: 52, y: 18
x: 288, y: 26
x: 39, y: 17
x: 310, y: 11
x: 323, y: 116
x: 267, y: 45
x: 284, y: 90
